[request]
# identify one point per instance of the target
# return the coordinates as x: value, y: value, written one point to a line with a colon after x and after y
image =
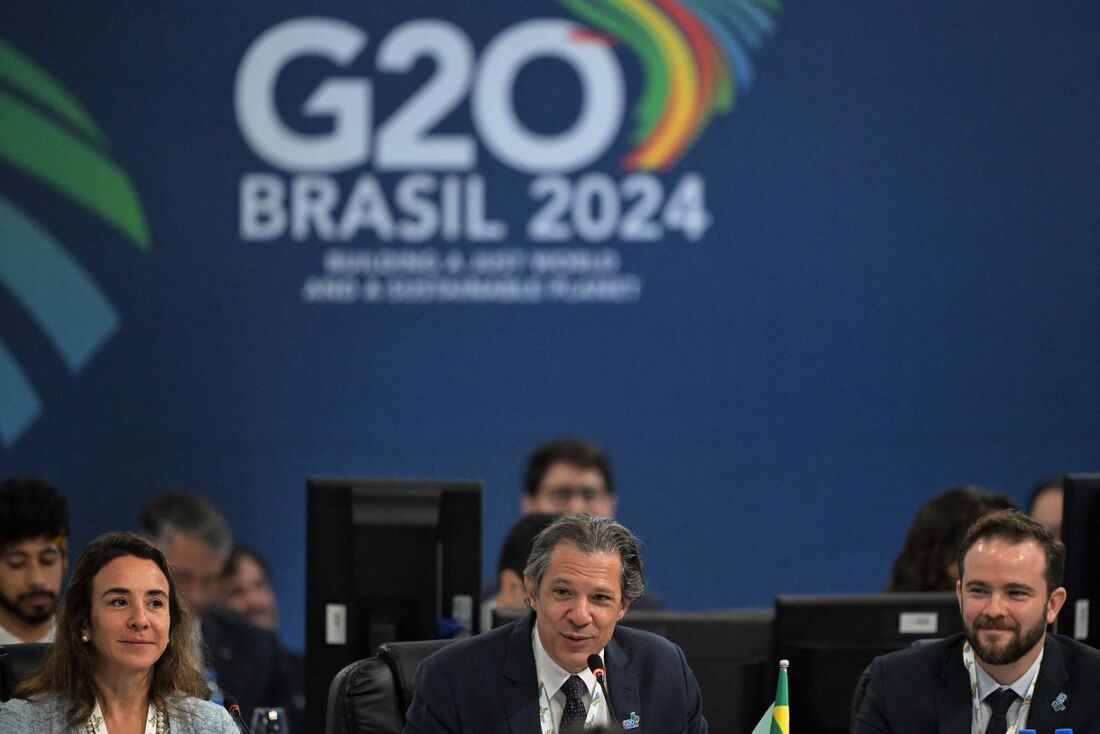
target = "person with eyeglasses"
x: 569, y: 475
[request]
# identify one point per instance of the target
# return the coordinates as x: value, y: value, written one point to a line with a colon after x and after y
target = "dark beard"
x: 34, y: 618
x: 1013, y: 650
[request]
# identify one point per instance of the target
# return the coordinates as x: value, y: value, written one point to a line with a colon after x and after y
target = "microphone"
x: 595, y: 664
x: 234, y: 709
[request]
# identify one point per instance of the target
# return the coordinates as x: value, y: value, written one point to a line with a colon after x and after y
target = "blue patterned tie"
x: 999, y: 701
x: 573, y: 715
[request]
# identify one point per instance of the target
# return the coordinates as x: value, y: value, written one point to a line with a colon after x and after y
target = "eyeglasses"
x: 564, y: 493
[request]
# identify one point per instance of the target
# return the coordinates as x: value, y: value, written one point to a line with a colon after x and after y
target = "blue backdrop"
x: 796, y: 267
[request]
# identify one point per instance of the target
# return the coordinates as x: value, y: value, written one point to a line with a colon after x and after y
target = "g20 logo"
x: 405, y: 140
x: 443, y: 196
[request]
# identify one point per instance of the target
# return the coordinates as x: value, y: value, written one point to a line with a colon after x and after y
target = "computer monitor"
x: 386, y: 560
x: 830, y: 639
x: 729, y: 650
x: 1081, y: 534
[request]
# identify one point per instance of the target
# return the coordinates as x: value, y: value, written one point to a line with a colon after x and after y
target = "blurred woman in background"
x: 927, y: 560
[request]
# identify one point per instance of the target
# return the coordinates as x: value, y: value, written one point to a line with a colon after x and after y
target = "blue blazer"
x: 927, y: 689
x: 488, y: 685
x: 46, y: 715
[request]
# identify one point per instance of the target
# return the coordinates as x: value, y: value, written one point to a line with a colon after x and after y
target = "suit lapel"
x: 953, y: 698
x: 520, y: 680
x: 622, y: 685
x: 1053, y: 680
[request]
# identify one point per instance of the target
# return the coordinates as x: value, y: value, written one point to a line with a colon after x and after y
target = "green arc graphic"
x: 23, y: 74
x: 46, y: 133
x: 48, y: 152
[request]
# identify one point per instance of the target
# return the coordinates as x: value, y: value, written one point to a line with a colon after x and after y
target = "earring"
x: 84, y: 638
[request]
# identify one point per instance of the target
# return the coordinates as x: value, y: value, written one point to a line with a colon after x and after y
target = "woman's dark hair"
x: 238, y: 554
x: 935, y: 535
x: 69, y: 668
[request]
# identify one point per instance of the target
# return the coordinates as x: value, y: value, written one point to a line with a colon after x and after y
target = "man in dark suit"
x: 239, y: 658
x: 244, y: 661
x: 533, y: 675
x: 1005, y: 672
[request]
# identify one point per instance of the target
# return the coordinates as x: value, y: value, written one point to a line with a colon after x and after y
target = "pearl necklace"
x: 91, y: 727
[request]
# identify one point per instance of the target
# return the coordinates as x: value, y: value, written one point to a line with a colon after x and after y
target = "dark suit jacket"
x: 926, y: 689
x: 488, y: 685
x: 247, y: 660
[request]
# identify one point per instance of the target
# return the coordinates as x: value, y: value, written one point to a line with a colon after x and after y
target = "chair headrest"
x: 403, y: 659
x: 19, y: 662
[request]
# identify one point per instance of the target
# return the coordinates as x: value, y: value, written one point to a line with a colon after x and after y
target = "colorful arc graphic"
x: 47, y: 135
x: 694, y: 56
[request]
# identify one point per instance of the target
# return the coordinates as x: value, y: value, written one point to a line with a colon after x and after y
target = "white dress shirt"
x: 553, y: 676
x: 7, y: 638
x: 987, y: 685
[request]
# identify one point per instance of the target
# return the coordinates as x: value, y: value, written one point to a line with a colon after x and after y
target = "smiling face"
x: 249, y: 592
x: 130, y: 621
x: 578, y: 604
x: 1005, y: 602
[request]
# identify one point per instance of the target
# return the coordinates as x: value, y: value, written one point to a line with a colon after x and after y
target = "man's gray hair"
x: 175, y: 511
x: 590, y: 534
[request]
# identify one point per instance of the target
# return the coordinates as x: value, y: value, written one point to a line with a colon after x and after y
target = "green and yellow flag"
x: 777, y: 719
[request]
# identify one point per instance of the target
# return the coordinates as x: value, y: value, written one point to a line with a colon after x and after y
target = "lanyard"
x: 546, y: 721
x: 979, y: 728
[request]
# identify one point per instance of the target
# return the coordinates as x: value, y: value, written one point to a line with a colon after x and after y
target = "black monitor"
x: 386, y: 560
x: 729, y: 650
x: 830, y: 639
x: 1081, y: 534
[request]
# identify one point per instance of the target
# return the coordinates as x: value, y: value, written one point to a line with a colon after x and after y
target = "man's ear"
x: 510, y: 589
x: 1054, y: 603
x: 959, y: 594
x: 532, y: 597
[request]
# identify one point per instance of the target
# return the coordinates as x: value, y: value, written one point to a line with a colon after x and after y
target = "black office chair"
x: 371, y: 696
x: 865, y: 677
x: 19, y: 662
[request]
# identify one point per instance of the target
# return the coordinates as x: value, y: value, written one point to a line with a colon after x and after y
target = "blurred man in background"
x: 34, y: 539
x: 246, y: 589
x: 569, y: 475
x: 240, y: 659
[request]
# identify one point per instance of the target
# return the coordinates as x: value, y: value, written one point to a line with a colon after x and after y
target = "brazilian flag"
x: 777, y: 719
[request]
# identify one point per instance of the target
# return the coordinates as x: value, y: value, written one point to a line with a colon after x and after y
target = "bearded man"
x: 1005, y: 672
x: 34, y: 537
